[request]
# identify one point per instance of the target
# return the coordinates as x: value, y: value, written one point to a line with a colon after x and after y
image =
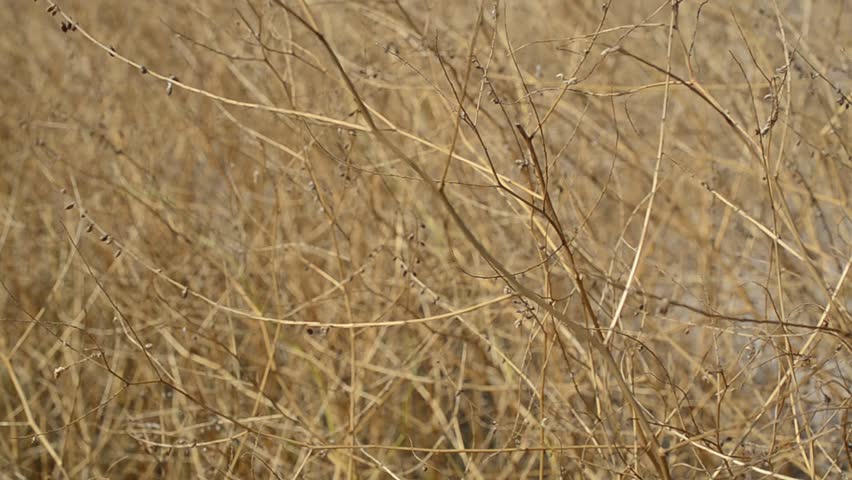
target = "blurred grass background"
x: 171, y: 262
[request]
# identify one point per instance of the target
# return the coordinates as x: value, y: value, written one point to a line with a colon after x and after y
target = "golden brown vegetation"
x: 404, y: 239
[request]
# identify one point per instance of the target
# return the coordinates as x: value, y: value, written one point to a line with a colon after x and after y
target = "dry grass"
x: 333, y: 247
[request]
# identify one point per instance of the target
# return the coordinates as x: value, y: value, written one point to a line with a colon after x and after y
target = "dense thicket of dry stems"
x: 403, y: 239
